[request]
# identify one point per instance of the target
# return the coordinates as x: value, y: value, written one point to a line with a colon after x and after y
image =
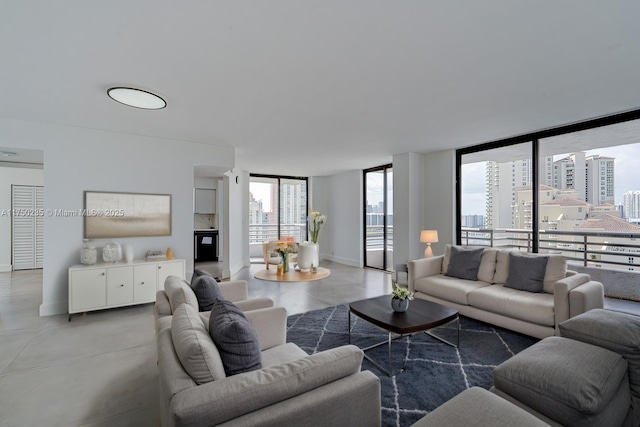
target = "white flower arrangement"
x: 316, y: 219
x: 401, y: 293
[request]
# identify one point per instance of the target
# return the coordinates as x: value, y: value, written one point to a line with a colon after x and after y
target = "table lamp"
x: 428, y: 237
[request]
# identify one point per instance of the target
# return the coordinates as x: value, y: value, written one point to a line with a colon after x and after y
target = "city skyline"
x: 627, y: 163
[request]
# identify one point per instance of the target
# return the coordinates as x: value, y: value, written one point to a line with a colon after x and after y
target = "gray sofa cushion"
x: 464, y: 262
x: 478, y: 407
x: 193, y: 346
x: 448, y: 288
x: 569, y: 381
x: 206, y: 289
x: 614, y: 331
x: 526, y: 272
x: 179, y: 292
x: 537, y: 308
x: 235, y: 338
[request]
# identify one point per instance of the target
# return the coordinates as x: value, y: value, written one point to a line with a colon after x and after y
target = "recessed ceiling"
x: 320, y: 87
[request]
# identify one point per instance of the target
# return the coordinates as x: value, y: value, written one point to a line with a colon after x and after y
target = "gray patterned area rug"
x: 435, y: 372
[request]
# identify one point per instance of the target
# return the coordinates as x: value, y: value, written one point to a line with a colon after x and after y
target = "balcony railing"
x: 259, y: 233
x: 375, y: 237
x: 589, y: 248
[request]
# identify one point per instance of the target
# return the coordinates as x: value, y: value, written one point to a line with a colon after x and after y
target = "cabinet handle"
x: 122, y: 285
x: 159, y: 267
x: 102, y: 274
x: 142, y: 283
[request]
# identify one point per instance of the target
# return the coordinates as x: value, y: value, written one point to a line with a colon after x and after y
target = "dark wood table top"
x: 422, y: 315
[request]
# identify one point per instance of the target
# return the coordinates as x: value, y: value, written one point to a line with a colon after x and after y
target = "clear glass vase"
x: 285, y: 262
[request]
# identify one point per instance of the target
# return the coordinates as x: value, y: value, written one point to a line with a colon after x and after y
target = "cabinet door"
x: 205, y: 201
x: 87, y: 289
x: 119, y: 285
x: 145, y: 278
x: 170, y: 268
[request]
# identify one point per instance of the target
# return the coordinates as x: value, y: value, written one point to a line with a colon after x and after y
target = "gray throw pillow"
x: 235, y: 338
x: 206, y: 289
x: 464, y: 262
x: 526, y: 272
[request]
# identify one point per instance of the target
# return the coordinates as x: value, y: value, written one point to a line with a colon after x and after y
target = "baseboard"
x: 53, y: 309
x: 340, y: 260
x: 234, y: 270
x: 5, y: 268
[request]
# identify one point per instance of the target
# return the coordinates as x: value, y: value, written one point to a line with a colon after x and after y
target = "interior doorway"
x: 19, y: 169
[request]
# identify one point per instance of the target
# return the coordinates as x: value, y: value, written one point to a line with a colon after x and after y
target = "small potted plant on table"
x: 400, y: 298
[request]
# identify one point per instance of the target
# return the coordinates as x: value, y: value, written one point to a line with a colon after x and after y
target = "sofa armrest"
x: 271, y: 326
x: 235, y: 290
x: 223, y: 400
x: 162, y: 307
x: 586, y: 297
x: 561, y: 291
x: 423, y: 267
x: 254, y: 304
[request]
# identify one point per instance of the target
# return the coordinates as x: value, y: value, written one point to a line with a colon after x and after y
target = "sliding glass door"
x: 378, y: 217
x: 277, y: 208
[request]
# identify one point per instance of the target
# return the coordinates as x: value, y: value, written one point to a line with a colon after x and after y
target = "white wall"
x: 341, y: 237
x: 12, y: 176
x: 440, y: 197
x: 83, y: 159
x: 236, y: 237
x: 408, y: 206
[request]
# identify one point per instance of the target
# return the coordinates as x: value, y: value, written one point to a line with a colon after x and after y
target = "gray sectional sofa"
x: 587, y: 376
x: 564, y: 293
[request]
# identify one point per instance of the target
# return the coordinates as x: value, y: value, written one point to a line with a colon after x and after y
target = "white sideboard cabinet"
x: 106, y: 285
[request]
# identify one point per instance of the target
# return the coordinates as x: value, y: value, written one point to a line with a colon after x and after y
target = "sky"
x: 626, y: 176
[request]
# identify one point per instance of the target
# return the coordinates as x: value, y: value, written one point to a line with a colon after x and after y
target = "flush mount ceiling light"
x: 136, y: 98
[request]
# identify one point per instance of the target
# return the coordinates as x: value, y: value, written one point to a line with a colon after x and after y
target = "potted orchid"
x: 400, y: 298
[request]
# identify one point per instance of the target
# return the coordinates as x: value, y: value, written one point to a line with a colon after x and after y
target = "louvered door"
x: 27, y: 226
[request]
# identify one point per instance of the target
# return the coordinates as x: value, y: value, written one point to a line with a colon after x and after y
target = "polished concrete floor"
x: 100, y: 368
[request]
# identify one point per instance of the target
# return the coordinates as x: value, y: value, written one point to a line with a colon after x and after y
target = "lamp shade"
x: 429, y: 236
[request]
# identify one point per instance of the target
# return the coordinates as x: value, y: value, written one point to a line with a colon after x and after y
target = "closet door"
x: 27, y: 226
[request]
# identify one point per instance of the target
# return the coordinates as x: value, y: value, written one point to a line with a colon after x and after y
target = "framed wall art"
x: 109, y: 215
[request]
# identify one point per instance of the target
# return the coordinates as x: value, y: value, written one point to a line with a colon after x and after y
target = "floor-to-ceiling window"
x: 571, y: 190
x: 378, y: 217
x: 277, y: 208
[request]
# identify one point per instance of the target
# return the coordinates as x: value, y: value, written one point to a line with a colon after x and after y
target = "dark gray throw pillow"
x: 464, y: 262
x: 235, y: 338
x: 526, y: 272
x: 206, y: 289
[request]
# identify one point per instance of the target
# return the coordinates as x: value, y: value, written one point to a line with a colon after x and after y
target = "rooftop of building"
x: 608, y: 222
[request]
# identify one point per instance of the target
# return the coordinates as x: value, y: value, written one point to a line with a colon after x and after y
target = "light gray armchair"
x: 291, y: 389
x: 177, y: 292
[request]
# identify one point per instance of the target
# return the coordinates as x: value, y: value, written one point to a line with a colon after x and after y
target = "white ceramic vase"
x: 128, y: 252
x: 307, y: 255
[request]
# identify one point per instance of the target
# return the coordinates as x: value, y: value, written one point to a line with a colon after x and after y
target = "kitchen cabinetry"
x: 205, y: 201
x: 99, y: 286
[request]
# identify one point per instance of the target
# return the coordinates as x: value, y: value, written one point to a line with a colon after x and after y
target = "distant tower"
x: 599, y: 178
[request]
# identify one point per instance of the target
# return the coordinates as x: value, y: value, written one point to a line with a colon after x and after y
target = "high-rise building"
x: 592, y: 177
x: 631, y: 203
x: 474, y: 221
x: 502, y: 182
x: 570, y: 174
x: 600, y: 180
